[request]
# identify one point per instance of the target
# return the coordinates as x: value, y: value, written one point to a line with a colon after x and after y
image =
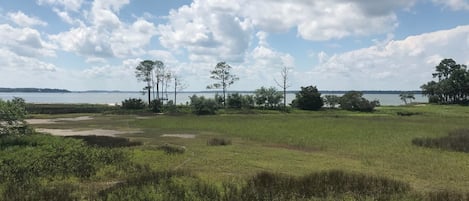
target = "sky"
x: 332, y: 44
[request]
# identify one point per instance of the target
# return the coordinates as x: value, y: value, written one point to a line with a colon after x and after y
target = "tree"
x: 12, y: 115
x: 268, y: 97
x: 308, y: 98
x: 354, y: 101
x: 160, y: 70
x: 452, y: 86
x: 143, y: 72
x: 406, y: 95
x: 284, y: 84
x: 222, y: 74
x: 178, y: 85
x: 331, y: 100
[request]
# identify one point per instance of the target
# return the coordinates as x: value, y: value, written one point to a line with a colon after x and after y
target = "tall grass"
x: 457, y: 140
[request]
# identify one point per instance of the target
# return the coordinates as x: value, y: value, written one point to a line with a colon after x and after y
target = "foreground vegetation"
x: 267, y: 155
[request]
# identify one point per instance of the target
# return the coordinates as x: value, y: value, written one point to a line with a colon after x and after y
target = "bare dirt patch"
x: 185, y: 136
x: 57, y: 120
x: 97, y: 132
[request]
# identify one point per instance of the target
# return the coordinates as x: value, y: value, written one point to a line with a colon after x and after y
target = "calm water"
x: 182, y: 98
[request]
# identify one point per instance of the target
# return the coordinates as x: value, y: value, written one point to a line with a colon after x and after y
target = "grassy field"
x: 300, y: 143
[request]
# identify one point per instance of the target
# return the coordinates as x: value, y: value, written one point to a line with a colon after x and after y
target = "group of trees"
x: 156, y: 74
x: 452, y: 86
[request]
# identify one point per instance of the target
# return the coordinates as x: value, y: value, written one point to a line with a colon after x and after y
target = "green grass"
x: 301, y: 142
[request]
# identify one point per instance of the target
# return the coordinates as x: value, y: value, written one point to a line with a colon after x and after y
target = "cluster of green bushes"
x: 216, y: 141
x: 352, y: 101
x: 457, y: 140
x: 32, y: 165
x: 105, y: 141
x: 12, y: 114
x: 68, y: 108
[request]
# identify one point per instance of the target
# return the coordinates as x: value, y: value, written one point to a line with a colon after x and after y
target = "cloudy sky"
x: 333, y: 44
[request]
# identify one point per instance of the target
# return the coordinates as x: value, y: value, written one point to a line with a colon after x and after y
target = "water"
x: 182, y: 97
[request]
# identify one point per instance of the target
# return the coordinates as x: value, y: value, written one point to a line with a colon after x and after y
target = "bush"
x: 218, y: 142
x: 238, y: 101
x: 133, y: 104
x: 203, y: 106
x: 268, y: 98
x: 156, y: 106
x: 172, y: 149
x: 331, y: 100
x: 106, y: 141
x: 354, y: 101
x: 308, y: 98
x: 12, y: 114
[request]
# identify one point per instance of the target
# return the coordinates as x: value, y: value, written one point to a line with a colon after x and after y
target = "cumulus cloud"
x: 106, y: 36
x: 24, y: 41
x: 454, y: 4
x: 73, y: 5
x: 398, y: 64
x: 23, y: 20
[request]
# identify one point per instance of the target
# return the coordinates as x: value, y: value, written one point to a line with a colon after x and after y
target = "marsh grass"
x: 106, y: 141
x: 216, y: 141
x: 457, y: 140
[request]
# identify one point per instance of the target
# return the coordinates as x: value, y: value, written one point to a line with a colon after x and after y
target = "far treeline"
x: 30, y: 90
x: 452, y: 87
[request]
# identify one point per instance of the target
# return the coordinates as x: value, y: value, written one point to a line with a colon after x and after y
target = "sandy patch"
x: 57, y: 120
x: 98, y: 132
x: 186, y: 136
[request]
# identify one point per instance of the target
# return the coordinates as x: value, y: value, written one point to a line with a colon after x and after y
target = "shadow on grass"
x: 457, y: 140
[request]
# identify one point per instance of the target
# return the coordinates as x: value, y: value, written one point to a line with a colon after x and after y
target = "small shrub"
x: 308, y: 98
x: 406, y: 113
x: 106, y: 141
x: 447, y: 196
x: 354, y: 101
x: 457, y: 140
x: 203, y: 106
x: 156, y: 106
x: 218, y: 142
x: 172, y: 149
x: 133, y: 104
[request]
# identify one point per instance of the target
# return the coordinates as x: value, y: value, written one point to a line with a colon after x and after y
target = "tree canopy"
x: 309, y: 98
x: 452, y: 86
x: 224, y: 78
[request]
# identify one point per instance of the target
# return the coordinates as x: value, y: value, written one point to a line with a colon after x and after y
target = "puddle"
x: 186, y: 136
x: 97, y: 132
x: 57, y: 120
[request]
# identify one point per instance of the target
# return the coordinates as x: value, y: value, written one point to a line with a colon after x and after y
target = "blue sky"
x: 332, y: 44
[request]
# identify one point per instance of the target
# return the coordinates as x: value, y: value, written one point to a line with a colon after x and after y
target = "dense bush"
x: 68, y: 108
x: 308, y: 98
x: 354, y: 101
x: 203, y: 106
x: 331, y: 100
x: 457, y: 140
x: 172, y: 149
x: 106, y: 141
x: 12, y: 114
x: 133, y: 104
x: 218, y: 141
x: 238, y: 101
x: 268, y: 98
x: 156, y: 106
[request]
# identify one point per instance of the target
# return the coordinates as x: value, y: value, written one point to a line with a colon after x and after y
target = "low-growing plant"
x: 203, y: 106
x: 218, y: 142
x: 354, y: 101
x: 447, y: 196
x: 172, y: 149
x: 106, y: 141
x: 407, y: 113
x: 156, y: 106
x: 457, y: 140
x: 133, y: 104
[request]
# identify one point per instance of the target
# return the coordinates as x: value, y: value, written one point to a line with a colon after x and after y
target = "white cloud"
x: 403, y: 64
x: 23, y: 20
x: 24, y: 41
x: 73, y: 5
x: 454, y: 4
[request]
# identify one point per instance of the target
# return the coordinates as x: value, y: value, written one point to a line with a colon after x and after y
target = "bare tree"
x: 178, y: 86
x: 284, y: 84
x: 159, y: 72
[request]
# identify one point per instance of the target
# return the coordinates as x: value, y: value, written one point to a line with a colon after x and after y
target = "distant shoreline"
x: 48, y: 90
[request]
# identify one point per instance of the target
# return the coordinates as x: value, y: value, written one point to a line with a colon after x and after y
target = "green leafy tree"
x: 203, y: 106
x: 452, y: 85
x: 406, y: 96
x: 354, y: 101
x: 12, y: 115
x: 223, y: 77
x: 331, y: 100
x: 144, y: 73
x: 308, y: 98
x: 268, y: 97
